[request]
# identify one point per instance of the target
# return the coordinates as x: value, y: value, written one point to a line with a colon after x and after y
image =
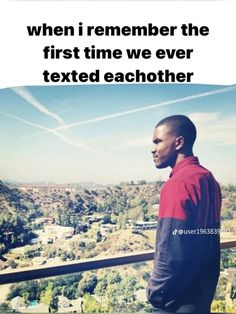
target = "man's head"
x: 173, y: 138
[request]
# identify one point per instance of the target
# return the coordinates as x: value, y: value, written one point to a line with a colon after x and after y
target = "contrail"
x: 25, y: 94
x: 52, y: 131
x: 124, y: 113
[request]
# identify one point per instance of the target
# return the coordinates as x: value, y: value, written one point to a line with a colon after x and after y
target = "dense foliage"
x: 17, y: 210
x: 14, y: 231
x: 101, y: 293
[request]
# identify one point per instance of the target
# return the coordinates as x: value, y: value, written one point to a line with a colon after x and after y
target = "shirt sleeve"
x: 174, y: 250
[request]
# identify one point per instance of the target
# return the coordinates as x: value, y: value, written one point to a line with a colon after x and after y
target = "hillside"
x: 14, y: 201
x: 110, y: 198
x: 125, y: 241
x: 17, y: 210
x: 115, y: 203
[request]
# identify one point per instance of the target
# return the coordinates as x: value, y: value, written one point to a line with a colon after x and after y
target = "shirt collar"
x: 192, y: 160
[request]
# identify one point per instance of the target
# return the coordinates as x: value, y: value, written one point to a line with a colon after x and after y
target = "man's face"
x: 164, y: 151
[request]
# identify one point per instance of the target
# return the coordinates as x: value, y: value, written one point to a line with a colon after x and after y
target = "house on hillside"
x: 107, y: 228
x: 93, y: 218
x: 69, y: 306
x: 57, y: 232
x: 144, y: 225
x: 17, y: 303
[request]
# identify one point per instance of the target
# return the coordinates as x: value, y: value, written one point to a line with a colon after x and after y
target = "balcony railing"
x: 29, y: 273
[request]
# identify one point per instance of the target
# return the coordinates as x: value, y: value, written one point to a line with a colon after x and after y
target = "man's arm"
x: 173, y: 265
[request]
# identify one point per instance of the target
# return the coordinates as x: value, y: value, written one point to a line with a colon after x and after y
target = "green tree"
x: 2, y: 248
x: 15, y: 231
x: 88, y: 283
x: 101, y: 286
x: 113, y: 277
x: 226, y: 214
x: 32, y: 287
x: 122, y: 220
x: 111, y: 300
x: 26, y: 296
x: 46, y: 296
x: 221, y: 289
x: 227, y: 259
x: 231, y: 188
x: 5, y: 307
x: 119, y: 294
x: 90, y: 304
x: 107, y: 219
x: 144, y: 209
x: 221, y: 307
x: 142, y: 182
x: 98, y: 236
x: 129, y: 288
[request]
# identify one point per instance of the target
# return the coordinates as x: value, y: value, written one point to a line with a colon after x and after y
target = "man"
x: 187, y: 257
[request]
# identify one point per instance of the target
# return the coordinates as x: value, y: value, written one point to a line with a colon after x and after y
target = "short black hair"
x: 181, y: 126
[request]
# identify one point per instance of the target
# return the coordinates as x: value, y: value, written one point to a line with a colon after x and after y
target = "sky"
x: 103, y: 133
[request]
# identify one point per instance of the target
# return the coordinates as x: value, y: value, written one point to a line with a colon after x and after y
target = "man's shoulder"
x: 191, y: 174
x: 190, y: 177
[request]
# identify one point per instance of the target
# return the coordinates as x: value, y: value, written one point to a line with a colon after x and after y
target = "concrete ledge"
x: 29, y: 273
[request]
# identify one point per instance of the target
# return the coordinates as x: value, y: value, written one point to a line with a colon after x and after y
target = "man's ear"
x: 179, y: 142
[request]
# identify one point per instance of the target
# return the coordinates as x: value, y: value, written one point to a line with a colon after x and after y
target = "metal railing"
x: 29, y: 273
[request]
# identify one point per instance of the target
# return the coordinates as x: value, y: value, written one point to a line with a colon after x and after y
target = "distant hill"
x: 148, y: 192
x: 13, y: 200
x: 17, y: 209
x: 79, y: 185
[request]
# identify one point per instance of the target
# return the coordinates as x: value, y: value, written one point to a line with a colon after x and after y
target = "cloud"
x: 145, y: 141
x: 213, y: 127
x: 145, y: 108
x: 25, y: 94
x: 78, y: 144
x: 204, y: 117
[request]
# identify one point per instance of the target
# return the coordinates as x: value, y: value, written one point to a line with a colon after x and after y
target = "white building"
x: 144, y: 225
x: 58, y: 232
x: 17, y: 303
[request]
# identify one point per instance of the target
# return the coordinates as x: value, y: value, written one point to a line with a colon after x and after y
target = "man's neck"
x: 180, y: 157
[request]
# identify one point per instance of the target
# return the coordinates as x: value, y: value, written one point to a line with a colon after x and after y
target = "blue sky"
x: 103, y: 133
